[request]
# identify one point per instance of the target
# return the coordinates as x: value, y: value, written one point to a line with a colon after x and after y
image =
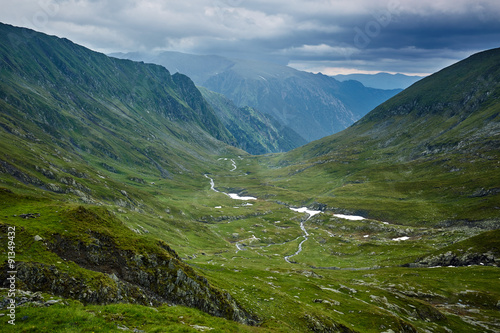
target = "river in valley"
x: 305, y: 210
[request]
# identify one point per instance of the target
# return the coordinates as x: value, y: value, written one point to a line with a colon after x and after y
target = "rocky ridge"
x: 453, y: 259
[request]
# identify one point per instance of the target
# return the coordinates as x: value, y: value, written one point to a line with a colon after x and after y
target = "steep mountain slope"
x: 88, y: 104
x: 432, y: 148
x: 79, y: 128
x: 254, y: 131
x: 454, y: 109
x: 312, y: 105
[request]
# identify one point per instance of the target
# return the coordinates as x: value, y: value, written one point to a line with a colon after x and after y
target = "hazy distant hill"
x: 381, y: 80
x: 198, y: 67
x: 313, y: 105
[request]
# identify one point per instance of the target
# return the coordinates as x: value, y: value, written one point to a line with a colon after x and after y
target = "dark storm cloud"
x: 318, y: 35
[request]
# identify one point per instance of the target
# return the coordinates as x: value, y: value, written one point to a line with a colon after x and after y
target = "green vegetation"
x: 72, y: 316
x: 117, y: 227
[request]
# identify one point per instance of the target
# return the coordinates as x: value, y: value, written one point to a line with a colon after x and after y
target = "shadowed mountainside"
x: 255, y: 132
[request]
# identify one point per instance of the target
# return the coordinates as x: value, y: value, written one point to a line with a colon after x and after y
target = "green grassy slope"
x: 428, y: 155
x: 78, y: 128
x: 70, y: 112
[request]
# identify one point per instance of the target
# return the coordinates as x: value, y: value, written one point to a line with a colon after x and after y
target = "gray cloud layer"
x: 320, y: 35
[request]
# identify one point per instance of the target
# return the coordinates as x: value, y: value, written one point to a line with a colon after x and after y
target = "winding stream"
x: 231, y: 195
x: 234, y: 165
x: 306, y: 234
x: 306, y: 210
x: 212, y: 184
x: 235, y: 196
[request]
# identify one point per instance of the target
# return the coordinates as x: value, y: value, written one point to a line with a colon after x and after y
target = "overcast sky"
x: 330, y: 36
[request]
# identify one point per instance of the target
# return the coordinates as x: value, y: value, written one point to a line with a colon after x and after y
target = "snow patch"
x: 306, y: 210
x: 349, y: 217
x: 237, y: 197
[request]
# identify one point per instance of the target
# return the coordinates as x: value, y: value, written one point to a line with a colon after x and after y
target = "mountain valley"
x: 135, y: 206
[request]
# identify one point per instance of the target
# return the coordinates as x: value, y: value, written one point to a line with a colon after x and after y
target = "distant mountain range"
x: 381, y: 80
x: 312, y: 105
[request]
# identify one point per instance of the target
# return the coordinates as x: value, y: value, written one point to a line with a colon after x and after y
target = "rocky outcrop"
x: 28, y: 298
x: 24, y: 177
x: 110, y: 274
x: 453, y: 259
x: 325, y: 325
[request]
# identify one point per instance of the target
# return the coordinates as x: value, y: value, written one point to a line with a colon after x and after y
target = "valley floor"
x: 339, y: 269
x: 298, y: 266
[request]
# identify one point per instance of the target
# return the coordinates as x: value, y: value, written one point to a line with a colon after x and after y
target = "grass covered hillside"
x: 428, y: 155
x: 79, y: 128
x: 71, y: 117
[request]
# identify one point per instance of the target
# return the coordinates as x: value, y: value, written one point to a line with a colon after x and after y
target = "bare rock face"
x: 452, y: 259
x: 28, y: 298
x: 325, y: 325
